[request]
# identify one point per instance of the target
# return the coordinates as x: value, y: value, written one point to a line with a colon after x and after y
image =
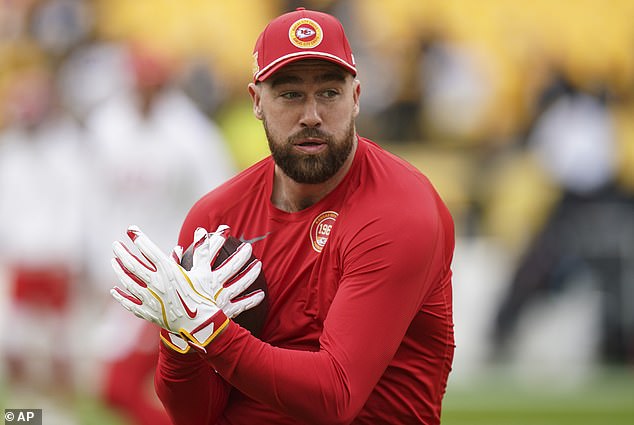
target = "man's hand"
x: 187, y: 304
x: 205, y: 253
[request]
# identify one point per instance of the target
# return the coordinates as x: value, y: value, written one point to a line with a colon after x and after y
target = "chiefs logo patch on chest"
x: 320, y: 229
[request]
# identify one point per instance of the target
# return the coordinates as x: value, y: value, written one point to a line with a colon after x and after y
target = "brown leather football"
x: 252, y: 319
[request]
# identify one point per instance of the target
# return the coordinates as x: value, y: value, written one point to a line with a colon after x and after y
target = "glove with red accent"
x: 184, y: 303
x: 205, y: 252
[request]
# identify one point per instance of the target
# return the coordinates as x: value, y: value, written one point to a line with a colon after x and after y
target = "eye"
x: 290, y: 95
x: 330, y: 93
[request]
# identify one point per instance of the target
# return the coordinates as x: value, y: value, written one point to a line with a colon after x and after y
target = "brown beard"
x: 311, y: 168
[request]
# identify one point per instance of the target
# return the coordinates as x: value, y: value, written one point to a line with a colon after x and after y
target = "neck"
x: 291, y: 196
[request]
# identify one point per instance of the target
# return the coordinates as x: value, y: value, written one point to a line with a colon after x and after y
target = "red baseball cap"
x: 297, y: 35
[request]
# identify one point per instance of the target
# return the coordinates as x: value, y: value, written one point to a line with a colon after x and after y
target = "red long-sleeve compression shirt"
x: 360, y: 323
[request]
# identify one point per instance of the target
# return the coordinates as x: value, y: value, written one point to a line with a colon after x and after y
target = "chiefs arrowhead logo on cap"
x: 305, y: 33
x: 302, y: 34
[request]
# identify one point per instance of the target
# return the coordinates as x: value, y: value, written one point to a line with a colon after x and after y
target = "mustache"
x: 311, y: 132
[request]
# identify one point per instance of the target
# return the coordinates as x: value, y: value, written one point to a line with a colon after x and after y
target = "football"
x: 252, y: 319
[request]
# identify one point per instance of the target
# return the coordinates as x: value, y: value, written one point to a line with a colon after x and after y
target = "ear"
x: 356, y: 94
x: 254, y: 92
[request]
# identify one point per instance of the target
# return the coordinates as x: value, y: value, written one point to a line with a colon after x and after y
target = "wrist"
x: 202, y: 335
x: 173, y: 342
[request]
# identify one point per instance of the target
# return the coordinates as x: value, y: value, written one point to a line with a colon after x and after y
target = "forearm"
x: 364, y: 328
x: 309, y: 386
x: 191, y: 392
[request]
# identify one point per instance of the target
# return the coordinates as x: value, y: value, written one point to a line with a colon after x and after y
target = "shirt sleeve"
x: 191, y: 391
x: 386, y: 276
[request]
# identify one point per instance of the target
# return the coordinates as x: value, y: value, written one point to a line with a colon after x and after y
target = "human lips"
x: 310, y: 145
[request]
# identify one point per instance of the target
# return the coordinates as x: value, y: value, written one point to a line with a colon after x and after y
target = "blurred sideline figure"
x: 41, y: 178
x: 154, y: 153
x: 590, y: 231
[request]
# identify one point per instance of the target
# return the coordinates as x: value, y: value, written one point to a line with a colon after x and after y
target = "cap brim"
x: 265, y: 73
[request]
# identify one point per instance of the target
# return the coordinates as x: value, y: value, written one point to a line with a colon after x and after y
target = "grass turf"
x: 606, y: 399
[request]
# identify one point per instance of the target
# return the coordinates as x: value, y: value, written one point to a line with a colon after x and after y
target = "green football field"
x: 607, y: 399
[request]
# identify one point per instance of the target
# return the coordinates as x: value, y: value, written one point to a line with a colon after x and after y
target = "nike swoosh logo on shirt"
x: 190, y: 313
x: 253, y: 240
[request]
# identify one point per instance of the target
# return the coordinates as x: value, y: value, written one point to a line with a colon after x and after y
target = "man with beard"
x: 355, y: 245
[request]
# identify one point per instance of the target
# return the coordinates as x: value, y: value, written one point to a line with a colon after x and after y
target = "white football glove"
x: 161, y: 291
x: 204, y: 255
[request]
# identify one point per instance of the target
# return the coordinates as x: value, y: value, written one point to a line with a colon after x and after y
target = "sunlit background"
x: 520, y: 112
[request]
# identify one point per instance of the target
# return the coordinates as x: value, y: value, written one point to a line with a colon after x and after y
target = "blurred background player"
x: 42, y: 158
x: 154, y: 153
x: 586, y: 236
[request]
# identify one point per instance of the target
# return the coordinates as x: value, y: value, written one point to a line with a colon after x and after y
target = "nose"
x: 311, y: 116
